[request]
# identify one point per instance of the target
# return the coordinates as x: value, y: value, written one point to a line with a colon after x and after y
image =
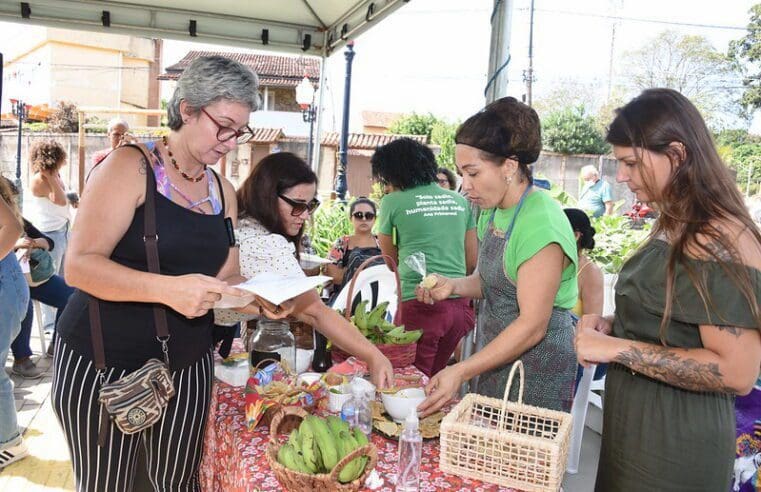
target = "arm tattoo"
x: 143, y: 169
x: 720, y: 251
x: 732, y: 330
x: 664, y: 365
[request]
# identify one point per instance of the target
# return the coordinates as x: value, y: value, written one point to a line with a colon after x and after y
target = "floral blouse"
x: 260, y: 251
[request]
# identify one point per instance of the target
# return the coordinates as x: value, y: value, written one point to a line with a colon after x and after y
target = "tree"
x: 690, y: 65
x: 413, y: 124
x: 747, y: 53
x: 442, y: 134
x: 571, y: 131
x: 64, y: 119
x: 564, y: 93
x: 437, y: 131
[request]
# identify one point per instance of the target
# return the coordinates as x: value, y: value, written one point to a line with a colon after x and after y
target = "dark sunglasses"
x: 363, y: 215
x: 299, y: 207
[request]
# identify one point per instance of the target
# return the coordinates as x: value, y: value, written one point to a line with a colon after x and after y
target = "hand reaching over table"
x: 441, y: 389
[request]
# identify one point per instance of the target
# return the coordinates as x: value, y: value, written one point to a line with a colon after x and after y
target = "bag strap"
x: 150, y: 238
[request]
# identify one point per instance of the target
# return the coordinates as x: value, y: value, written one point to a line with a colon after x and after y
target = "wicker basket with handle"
x: 294, y: 481
x: 508, y: 443
x: 399, y: 355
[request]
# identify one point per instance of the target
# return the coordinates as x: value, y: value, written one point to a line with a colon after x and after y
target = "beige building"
x: 48, y: 65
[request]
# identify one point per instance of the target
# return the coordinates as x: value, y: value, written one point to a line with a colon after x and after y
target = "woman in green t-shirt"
x: 526, y: 271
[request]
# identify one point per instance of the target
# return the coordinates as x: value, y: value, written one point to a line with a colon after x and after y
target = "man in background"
x: 596, y: 196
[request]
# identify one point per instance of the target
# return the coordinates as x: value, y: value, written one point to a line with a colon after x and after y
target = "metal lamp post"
x: 305, y: 99
x: 341, y: 184
x: 20, y: 110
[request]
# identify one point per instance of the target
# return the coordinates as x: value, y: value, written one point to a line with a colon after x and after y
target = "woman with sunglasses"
x: 275, y: 201
x: 106, y: 262
x: 350, y: 251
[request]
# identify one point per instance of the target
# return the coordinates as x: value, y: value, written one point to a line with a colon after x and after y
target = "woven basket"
x: 290, y: 421
x: 294, y: 481
x: 506, y: 443
x: 398, y: 355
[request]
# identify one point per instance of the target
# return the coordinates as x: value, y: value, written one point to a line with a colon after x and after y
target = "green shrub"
x: 615, y: 241
x: 330, y: 222
x: 570, y: 131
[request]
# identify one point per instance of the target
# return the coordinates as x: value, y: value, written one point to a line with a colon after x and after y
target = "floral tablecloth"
x: 234, y: 457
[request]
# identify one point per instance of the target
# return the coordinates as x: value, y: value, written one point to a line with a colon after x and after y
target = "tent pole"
x: 499, y: 50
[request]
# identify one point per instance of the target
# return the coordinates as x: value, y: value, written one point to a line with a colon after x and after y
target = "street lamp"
x: 20, y: 110
x: 305, y: 99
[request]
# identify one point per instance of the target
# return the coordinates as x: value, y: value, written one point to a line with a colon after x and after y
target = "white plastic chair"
x: 40, y: 327
x: 375, y: 284
x: 579, y: 415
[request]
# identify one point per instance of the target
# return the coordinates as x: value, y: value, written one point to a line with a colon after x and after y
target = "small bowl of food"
x: 337, y: 396
x: 399, y: 404
x: 308, y: 378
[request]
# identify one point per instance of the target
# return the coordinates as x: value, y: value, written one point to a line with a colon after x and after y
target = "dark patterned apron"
x: 549, y: 366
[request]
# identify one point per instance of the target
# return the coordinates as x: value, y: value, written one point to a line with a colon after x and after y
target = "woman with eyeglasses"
x: 107, y: 263
x: 350, y: 251
x: 274, y: 203
x: 445, y: 178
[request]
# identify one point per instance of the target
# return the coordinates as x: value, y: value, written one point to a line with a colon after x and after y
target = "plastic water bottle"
x: 410, y: 451
x: 356, y: 411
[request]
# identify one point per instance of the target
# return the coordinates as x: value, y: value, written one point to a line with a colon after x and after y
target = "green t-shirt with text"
x: 540, y: 223
x: 431, y: 220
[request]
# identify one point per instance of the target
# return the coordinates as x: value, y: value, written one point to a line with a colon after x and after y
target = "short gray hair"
x: 209, y: 79
x: 116, y: 122
x: 589, y: 169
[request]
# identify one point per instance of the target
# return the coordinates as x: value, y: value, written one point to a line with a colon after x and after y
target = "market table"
x: 234, y: 457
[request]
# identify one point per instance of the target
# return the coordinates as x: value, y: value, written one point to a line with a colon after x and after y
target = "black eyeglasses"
x: 363, y: 215
x: 225, y: 133
x: 298, y: 207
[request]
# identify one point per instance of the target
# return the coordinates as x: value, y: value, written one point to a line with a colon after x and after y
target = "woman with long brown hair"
x: 685, y: 335
x: 274, y: 203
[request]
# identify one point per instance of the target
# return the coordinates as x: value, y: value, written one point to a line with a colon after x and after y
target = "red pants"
x: 443, y: 325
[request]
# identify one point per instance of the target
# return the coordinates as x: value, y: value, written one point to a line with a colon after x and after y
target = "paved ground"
x: 48, y: 467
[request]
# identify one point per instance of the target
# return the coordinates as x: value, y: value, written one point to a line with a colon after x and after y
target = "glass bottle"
x: 272, y: 340
x: 410, y: 451
x: 321, y: 361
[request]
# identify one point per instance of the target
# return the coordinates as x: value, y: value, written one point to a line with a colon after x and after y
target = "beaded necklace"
x: 192, y: 179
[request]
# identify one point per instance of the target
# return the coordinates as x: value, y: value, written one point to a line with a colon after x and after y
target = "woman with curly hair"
x: 420, y: 216
x: 48, y: 208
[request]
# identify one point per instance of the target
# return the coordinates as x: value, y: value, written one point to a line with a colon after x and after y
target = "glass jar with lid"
x: 272, y: 340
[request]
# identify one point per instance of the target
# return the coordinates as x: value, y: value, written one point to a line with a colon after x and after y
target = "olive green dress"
x: 657, y: 437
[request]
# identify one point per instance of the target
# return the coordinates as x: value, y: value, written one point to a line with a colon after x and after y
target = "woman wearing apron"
x: 526, y: 272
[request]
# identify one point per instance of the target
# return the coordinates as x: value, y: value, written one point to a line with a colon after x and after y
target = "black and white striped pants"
x: 172, y: 446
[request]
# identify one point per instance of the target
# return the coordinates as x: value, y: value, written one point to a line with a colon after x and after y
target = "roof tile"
x: 273, y: 70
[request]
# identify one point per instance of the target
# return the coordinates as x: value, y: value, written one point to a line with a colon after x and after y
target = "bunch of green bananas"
x: 374, y: 327
x: 319, y: 444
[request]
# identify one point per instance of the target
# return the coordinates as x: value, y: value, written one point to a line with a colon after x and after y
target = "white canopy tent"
x: 305, y: 27
x: 311, y: 27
